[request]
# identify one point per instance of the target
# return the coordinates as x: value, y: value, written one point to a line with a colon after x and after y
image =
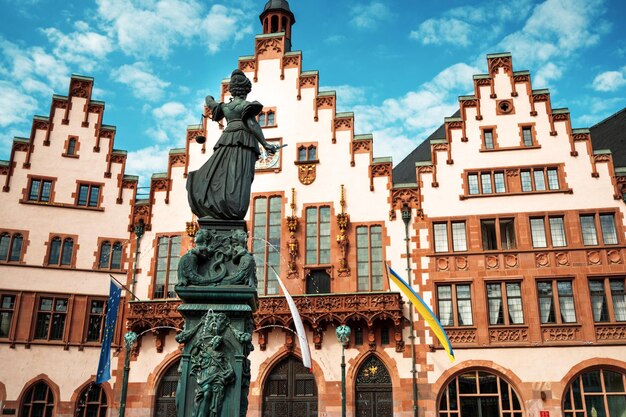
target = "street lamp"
x: 129, y: 341
x: 406, y: 218
x: 343, y: 335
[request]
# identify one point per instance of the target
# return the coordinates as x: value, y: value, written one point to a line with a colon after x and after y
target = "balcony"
x: 370, y: 309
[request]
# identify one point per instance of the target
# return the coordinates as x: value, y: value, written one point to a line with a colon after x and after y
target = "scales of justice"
x: 217, y: 278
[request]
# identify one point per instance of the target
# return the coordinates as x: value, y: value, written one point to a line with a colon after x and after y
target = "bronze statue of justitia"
x: 220, y: 189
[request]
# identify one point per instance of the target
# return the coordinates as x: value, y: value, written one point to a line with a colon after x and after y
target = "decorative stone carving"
x: 442, y: 264
x: 292, y: 244
x: 266, y: 45
x: 508, y: 335
x: 401, y: 197
x: 461, y: 336
x: 594, y: 257
x: 344, y: 123
x: 306, y: 173
x: 209, y: 263
x: 379, y: 170
x: 80, y: 88
x: 325, y: 102
x: 492, y: 261
x: 291, y: 61
x: 307, y: 81
x: 460, y: 262
x: 503, y: 61
x: 614, y: 256
x: 560, y: 334
x: 247, y: 65
x: 562, y: 258
x: 177, y: 160
x: 542, y: 260
x: 160, y: 184
x: 511, y: 261
x: 611, y: 332
x: 343, y: 221
x: 361, y: 146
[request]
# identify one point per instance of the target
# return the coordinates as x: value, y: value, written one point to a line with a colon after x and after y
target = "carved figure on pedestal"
x: 213, y: 374
x: 220, y: 189
x: 246, y: 271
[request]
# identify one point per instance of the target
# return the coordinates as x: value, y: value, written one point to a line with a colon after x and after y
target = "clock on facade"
x: 267, y: 161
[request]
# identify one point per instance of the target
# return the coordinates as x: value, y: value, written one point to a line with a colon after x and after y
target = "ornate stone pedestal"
x: 218, y: 302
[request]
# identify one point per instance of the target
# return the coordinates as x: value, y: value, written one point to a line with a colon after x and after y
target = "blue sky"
x: 399, y: 65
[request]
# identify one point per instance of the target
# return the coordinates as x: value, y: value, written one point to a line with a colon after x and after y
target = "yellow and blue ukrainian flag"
x: 104, y: 365
x: 423, y: 310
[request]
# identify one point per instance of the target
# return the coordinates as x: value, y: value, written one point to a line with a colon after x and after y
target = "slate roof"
x: 611, y: 134
x: 404, y: 172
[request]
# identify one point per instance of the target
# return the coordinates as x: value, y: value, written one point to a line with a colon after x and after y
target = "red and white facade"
x: 516, y: 239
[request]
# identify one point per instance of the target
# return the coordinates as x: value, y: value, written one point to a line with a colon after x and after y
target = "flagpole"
x: 125, y: 287
x: 406, y: 217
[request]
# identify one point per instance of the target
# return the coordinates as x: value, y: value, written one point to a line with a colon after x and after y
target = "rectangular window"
x: 88, y: 195
x: 608, y: 309
x: 7, y: 305
x: 458, y: 236
x: 553, y: 179
x: 540, y: 181
x: 485, y: 180
x: 166, y: 276
x: 557, y: 231
x: 51, y: 315
x: 492, y: 228
x: 369, y: 258
x: 498, y: 179
x: 266, y: 234
x: 556, y: 310
x: 488, y: 135
x: 588, y: 228
x: 607, y: 225
x: 317, y: 235
x: 526, y: 181
x: 441, y: 237
x: 505, y: 310
x: 538, y: 233
x: 454, y: 304
x: 39, y: 190
x: 527, y: 136
x: 472, y: 180
x: 95, y: 320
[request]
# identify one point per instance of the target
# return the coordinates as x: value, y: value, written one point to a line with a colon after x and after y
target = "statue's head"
x: 239, y: 237
x: 202, y: 236
x: 240, y: 85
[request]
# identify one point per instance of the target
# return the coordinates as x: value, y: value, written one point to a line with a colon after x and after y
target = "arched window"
x: 262, y: 119
x: 290, y: 390
x: 274, y: 24
x: 5, y: 242
x: 116, y: 256
x: 479, y: 393
x: 165, y: 405
x: 597, y: 392
x: 68, y: 249
x: 92, y: 402
x: 373, y: 389
x: 11, y: 247
x: 270, y: 118
x: 105, y: 254
x: 16, y: 248
x: 55, y: 251
x: 71, y: 146
x: 38, y: 401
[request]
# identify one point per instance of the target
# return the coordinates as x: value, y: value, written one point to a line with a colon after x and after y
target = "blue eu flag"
x: 104, y: 365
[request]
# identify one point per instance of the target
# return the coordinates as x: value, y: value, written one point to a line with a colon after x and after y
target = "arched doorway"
x: 596, y: 392
x: 38, y: 401
x: 373, y: 389
x: 92, y: 402
x: 290, y: 390
x: 165, y: 403
x: 479, y: 393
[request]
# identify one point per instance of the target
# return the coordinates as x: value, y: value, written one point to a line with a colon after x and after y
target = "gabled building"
x: 506, y: 220
x: 63, y: 233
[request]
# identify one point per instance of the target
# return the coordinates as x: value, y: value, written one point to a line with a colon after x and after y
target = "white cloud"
x: 462, y: 26
x: 545, y: 74
x: 171, y: 121
x: 165, y: 24
x: 557, y: 29
x: 15, y: 106
x: 82, y: 47
x: 347, y: 96
x: 147, y: 161
x: 610, y: 80
x: 144, y: 84
x: 368, y: 16
x: 399, y: 124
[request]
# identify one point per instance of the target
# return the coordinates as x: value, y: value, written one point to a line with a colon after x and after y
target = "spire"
x: 277, y: 17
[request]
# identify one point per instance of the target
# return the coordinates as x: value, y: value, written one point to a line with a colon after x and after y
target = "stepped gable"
x: 611, y: 134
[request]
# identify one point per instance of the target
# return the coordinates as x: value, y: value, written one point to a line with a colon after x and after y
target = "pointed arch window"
x: 92, y: 402
x: 61, y: 252
x: 373, y: 389
x: 110, y: 255
x: 38, y: 401
x: 11, y: 246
